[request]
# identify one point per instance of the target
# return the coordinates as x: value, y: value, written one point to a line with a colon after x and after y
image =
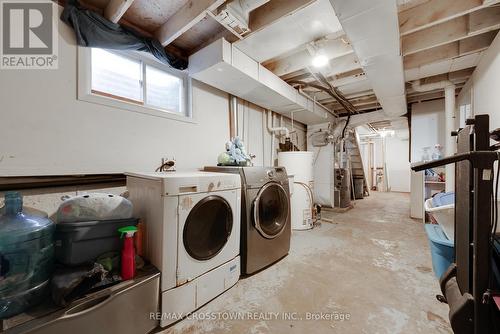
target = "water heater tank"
x: 300, y: 165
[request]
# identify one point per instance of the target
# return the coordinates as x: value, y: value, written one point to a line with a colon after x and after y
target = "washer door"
x: 271, y: 208
x: 207, y: 228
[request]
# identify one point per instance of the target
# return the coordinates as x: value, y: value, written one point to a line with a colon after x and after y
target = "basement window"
x: 133, y: 81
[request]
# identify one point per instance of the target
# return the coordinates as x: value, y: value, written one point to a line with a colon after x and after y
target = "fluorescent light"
x: 320, y: 60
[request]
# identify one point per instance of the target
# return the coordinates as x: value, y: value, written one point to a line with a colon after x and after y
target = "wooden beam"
x: 191, y: 13
x: 273, y: 11
x: 357, y: 103
x: 421, y: 97
x: 434, y: 12
x: 367, y: 106
x: 451, y: 50
x: 455, y: 76
x: 116, y: 8
x: 339, y: 68
x: 476, y: 23
x: 333, y: 49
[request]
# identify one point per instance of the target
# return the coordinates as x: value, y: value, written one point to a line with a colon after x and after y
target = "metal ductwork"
x: 373, y: 29
x: 236, y: 14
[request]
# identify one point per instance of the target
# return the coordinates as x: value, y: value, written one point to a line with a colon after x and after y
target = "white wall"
x: 252, y: 128
x: 398, y: 166
x: 47, y: 131
x: 427, y: 127
x: 484, y: 86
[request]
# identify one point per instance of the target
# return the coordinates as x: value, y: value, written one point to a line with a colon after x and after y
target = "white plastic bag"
x: 94, y: 206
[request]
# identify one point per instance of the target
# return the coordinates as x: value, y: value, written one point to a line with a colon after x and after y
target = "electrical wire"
x: 333, y: 92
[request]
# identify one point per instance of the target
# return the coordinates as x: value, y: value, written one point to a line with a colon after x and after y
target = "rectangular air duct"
x: 373, y: 29
x: 225, y: 67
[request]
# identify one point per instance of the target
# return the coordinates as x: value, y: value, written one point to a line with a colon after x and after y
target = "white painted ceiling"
x: 315, y: 21
x: 445, y: 66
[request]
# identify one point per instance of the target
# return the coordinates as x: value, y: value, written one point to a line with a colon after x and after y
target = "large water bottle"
x: 26, y: 257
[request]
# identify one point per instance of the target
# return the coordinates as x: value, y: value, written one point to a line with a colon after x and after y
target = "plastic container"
x: 442, y: 249
x: 26, y: 257
x: 438, y: 152
x: 441, y: 199
x: 443, y: 215
x: 127, y: 264
x: 82, y: 242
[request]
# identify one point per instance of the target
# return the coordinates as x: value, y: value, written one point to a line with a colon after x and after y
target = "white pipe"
x: 263, y: 139
x: 449, y: 95
x: 450, y: 144
x: 233, y: 116
x: 272, y: 139
x: 274, y: 130
x: 277, y: 129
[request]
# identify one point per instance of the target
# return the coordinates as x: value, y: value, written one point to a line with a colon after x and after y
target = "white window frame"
x: 85, y: 87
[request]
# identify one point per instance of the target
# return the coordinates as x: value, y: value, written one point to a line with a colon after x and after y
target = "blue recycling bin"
x: 442, y: 249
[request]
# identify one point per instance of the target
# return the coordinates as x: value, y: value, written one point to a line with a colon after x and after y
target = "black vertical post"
x: 483, y: 188
x: 483, y: 183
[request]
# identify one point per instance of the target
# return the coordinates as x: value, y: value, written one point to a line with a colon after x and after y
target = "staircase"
x: 356, y: 161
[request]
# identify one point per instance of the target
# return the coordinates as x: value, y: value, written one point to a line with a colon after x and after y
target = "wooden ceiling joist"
x: 357, y: 103
x: 274, y: 10
x: 338, y: 68
x: 185, y: 18
x: 334, y: 49
x: 427, y: 96
x: 461, y: 75
x: 369, y: 106
x: 116, y: 8
x: 434, y: 12
x: 475, y: 23
x: 451, y: 50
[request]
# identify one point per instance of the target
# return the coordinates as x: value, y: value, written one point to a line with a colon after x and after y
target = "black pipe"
x: 478, y: 159
x: 441, y: 162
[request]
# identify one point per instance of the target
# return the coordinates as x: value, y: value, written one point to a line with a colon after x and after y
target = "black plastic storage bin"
x: 82, y: 242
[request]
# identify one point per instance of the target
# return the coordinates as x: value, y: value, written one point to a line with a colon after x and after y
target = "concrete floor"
x: 371, y: 265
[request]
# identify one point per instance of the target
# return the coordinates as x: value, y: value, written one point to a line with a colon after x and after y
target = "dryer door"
x: 207, y: 228
x: 271, y: 210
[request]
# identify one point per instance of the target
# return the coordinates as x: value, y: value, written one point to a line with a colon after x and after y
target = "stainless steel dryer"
x: 265, y: 215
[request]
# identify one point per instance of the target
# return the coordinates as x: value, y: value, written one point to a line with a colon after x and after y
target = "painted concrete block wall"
x: 485, y: 85
x: 427, y: 127
x: 252, y: 129
x: 48, y: 131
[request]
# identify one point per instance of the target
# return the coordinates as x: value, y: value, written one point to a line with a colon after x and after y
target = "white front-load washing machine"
x: 193, y: 235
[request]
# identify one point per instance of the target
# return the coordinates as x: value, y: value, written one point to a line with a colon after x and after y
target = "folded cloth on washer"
x: 441, y: 199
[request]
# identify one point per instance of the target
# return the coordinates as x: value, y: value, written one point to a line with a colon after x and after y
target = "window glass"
x: 163, y: 90
x: 116, y: 76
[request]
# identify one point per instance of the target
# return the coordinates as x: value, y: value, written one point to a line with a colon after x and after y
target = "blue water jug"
x: 26, y: 257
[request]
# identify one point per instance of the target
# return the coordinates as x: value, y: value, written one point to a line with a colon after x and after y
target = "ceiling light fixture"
x: 319, y: 60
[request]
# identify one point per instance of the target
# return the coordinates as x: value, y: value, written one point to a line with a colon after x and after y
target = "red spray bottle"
x: 128, y: 252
